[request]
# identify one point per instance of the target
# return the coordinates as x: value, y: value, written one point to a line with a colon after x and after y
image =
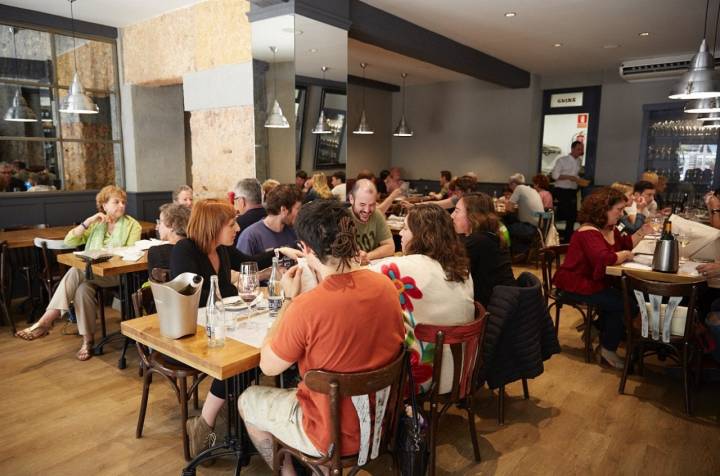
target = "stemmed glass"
x: 248, y: 282
x: 656, y: 223
x: 683, y: 240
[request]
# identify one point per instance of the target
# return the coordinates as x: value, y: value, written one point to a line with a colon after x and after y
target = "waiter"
x: 565, y: 172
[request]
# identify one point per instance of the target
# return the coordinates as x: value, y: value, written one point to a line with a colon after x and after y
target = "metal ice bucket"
x: 666, y: 258
x: 177, y: 304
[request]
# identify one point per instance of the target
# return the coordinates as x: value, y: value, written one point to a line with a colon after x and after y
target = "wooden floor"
x: 61, y: 416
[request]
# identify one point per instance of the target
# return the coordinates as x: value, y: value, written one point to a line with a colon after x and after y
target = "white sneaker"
x: 612, y: 358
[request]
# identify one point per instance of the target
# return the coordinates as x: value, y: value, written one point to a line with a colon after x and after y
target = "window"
x: 78, y: 151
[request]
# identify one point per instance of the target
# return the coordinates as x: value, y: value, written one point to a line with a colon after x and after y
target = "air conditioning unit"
x: 655, y: 69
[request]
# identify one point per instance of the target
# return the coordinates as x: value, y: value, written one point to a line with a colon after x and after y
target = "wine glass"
x: 248, y: 282
x: 683, y: 240
x: 656, y: 222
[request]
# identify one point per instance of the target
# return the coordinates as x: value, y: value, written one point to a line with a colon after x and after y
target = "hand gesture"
x: 709, y: 270
x: 291, y: 253
x: 363, y: 257
x: 291, y: 281
x: 641, y: 202
x: 99, y: 217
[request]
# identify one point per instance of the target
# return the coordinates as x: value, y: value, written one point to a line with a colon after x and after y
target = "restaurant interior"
x: 140, y: 102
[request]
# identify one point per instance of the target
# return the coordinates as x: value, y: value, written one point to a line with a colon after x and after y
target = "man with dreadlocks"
x: 350, y: 322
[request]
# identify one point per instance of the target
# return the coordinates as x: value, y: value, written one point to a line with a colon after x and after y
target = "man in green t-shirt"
x: 373, y: 234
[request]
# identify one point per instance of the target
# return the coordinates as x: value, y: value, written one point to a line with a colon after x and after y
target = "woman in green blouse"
x: 108, y: 228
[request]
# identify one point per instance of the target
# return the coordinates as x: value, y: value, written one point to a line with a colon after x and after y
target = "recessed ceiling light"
x: 313, y: 50
x: 510, y: 14
x: 644, y: 33
x: 610, y: 47
x: 557, y: 45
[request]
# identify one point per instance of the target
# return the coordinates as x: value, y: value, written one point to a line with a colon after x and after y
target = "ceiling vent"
x: 654, y: 69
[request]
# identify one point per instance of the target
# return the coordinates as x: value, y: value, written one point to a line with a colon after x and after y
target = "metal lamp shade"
x: 363, y: 127
x: 77, y: 102
x: 714, y: 116
x: 402, y: 129
x: 701, y: 80
x: 276, y: 119
x: 20, y: 111
x: 711, y: 125
x: 700, y: 106
x: 322, y: 127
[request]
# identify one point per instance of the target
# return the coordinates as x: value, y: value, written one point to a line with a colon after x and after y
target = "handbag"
x: 412, y: 436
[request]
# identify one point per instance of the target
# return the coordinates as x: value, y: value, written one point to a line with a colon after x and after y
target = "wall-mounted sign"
x: 582, y: 121
x: 566, y: 99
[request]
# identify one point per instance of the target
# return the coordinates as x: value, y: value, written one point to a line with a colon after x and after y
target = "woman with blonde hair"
x: 475, y: 221
x: 320, y: 188
x: 208, y: 250
x: 109, y: 227
x: 434, y: 284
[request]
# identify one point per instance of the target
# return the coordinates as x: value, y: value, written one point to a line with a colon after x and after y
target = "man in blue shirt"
x: 275, y: 230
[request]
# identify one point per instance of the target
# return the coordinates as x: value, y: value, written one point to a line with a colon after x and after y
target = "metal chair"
x: 22, y: 260
x: 551, y: 258
x: 175, y: 373
x: 465, y: 343
x: 661, y: 326
x: 384, y: 386
x: 4, y: 301
x: 545, y: 221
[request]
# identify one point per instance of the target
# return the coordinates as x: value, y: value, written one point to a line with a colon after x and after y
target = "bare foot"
x: 85, y: 352
x: 35, y: 331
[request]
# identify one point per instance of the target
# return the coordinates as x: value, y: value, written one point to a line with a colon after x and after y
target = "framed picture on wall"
x: 328, y: 147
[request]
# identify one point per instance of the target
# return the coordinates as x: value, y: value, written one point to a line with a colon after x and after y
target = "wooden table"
x: 229, y: 363
x: 678, y: 278
x: 220, y: 363
x: 115, y: 266
x: 25, y: 238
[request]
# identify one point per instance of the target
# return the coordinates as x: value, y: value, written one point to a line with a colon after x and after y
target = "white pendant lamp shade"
x: 711, y: 125
x: 76, y: 101
x: 700, y: 106
x: 403, y: 129
x: 701, y: 80
x: 714, y: 116
x: 276, y: 119
x: 363, y: 127
x: 322, y: 126
x: 20, y: 111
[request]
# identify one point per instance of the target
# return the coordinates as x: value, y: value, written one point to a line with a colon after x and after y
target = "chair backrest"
x: 51, y: 244
x: 661, y: 320
x: 143, y: 302
x: 4, y: 269
x: 545, y: 221
x: 386, y: 384
x: 160, y: 275
x: 465, y: 341
x: 550, y: 258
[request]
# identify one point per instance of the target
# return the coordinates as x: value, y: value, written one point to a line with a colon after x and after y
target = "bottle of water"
x: 274, y: 289
x: 215, y: 315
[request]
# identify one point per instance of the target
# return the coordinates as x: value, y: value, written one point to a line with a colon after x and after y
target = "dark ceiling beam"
x: 31, y: 18
x: 377, y: 27
x: 371, y: 83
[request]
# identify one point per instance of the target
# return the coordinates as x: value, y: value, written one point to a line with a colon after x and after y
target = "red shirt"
x: 350, y: 323
x: 583, y: 271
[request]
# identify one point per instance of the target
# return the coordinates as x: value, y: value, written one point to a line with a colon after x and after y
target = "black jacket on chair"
x: 519, y: 335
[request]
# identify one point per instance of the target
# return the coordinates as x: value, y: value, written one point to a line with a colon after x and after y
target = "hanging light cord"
x: 72, y: 26
x: 717, y: 17
x: 707, y: 6
x: 404, y: 75
x: 13, y: 30
x: 363, y: 67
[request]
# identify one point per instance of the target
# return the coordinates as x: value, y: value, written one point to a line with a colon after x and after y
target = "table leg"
x: 128, y: 284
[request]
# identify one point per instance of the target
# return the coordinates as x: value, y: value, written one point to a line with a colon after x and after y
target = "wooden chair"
x: 384, y: 386
x: 551, y: 258
x: 656, y: 330
x: 545, y: 221
x: 4, y: 297
x: 465, y: 343
x: 175, y: 373
x: 51, y: 272
x: 23, y: 261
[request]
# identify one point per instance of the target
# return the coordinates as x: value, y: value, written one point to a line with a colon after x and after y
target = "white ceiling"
x: 276, y: 31
x: 320, y: 45
x: 582, y: 26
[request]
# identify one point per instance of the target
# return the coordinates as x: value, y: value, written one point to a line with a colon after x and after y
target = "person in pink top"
x: 594, y: 246
x: 541, y: 183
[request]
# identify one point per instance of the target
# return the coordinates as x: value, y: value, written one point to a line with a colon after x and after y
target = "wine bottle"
x: 274, y: 288
x: 667, y: 230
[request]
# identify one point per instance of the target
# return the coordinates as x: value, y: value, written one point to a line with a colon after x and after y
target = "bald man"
x: 373, y: 234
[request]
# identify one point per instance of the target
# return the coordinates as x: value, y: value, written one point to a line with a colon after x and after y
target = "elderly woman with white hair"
x: 526, y: 201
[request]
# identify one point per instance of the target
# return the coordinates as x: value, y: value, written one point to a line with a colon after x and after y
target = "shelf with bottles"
x: 680, y: 129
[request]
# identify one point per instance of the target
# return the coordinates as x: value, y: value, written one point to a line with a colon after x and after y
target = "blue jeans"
x: 521, y: 236
x: 612, y: 314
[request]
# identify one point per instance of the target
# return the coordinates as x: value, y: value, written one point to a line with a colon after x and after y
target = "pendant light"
x: 701, y: 80
x: 322, y: 127
x: 276, y: 119
x: 76, y: 101
x: 711, y: 125
x: 19, y: 111
x: 700, y: 106
x: 713, y: 116
x: 402, y: 129
x: 363, y: 127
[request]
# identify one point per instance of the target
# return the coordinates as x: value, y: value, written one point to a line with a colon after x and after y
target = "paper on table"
x: 147, y: 244
x: 646, y: 246
x: 251, y: 330
x: 703, y: 238
x: 633, y: 265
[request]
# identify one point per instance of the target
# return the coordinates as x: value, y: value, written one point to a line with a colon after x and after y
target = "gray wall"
x: 374, y: 151
x: 154, y: 136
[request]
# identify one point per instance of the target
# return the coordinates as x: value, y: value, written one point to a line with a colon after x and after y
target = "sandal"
x: 85, y: 352
x: 35, y: 331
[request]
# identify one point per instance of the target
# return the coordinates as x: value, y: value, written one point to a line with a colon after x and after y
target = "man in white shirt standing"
x: 566, y: 175
x: 527, y: 201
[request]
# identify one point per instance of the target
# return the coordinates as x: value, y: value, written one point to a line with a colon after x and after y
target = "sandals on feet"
x: 85, y: 352
x: 35, y: 331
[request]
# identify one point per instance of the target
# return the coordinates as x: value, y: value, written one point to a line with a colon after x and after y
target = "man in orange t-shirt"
x: 351, y: 322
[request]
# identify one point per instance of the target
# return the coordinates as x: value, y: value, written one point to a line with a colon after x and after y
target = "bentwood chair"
x: 662, y: 327
x: 384, y: 388
x: 545, y: 221
x: 550, y: 258
x: 465, y: 344
x: 4, y: 297
x: 173, y: 372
